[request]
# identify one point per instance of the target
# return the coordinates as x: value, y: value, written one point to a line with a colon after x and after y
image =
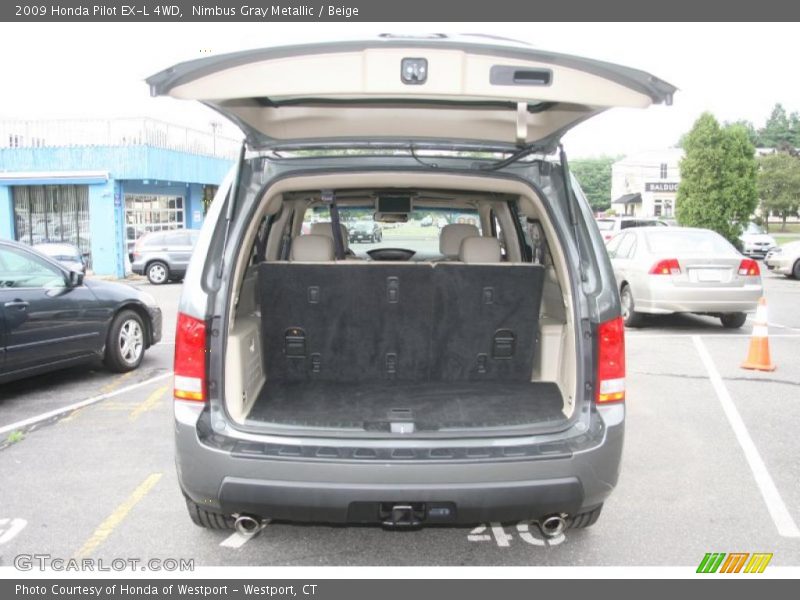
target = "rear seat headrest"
x: 312, y: 248
x: 452, y: 235
x: 326, y: 228
x: 480, y: 250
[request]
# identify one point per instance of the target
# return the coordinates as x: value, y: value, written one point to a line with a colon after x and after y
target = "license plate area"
x: 709, y: 275
x: 402, y: 514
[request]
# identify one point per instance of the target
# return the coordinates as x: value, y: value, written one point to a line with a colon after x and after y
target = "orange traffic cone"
x: 758, y: 356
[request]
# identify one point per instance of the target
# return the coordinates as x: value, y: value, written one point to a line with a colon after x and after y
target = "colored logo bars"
x: 714, y: 562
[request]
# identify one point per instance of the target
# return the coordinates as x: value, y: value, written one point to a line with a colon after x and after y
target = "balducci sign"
x: 660, y: 186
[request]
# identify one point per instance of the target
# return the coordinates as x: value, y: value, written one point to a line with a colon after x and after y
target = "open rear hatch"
x: 457, y: 91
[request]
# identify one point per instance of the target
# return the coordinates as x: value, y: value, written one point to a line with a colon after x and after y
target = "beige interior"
x: 554, y: 362
x: 455, y: 76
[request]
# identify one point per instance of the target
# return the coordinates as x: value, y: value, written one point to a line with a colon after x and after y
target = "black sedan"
x: 51, y: 318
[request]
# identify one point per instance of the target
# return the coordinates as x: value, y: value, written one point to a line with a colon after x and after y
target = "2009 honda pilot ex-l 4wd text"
x: 478, y: 375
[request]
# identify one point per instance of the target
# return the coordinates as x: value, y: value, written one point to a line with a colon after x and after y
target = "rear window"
x: 687, y: 241
x: 420, y: 233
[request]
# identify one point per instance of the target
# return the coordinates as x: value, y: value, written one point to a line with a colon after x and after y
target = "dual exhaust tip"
x: 249, y: 525
x: 553, y: 525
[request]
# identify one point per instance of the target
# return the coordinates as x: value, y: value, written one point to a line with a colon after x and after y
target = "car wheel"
x: 630, y: 317
x: 125, y: 343
x: 733, y: 320
x: 157, y: 273
x: 796, y: 269
x: 205, y: 518
x: 584, y: 520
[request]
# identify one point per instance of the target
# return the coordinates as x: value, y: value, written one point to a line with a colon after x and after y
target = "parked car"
x: 756, y: 242
x: 426, y: 221
x: 68, y: 255
x: 611, y: 226
x: 164, y: 255
x: 55, y: 318
x: 314, y: 389
x: 784, y: 259
x: 664, y: 270
x: 364, y: 231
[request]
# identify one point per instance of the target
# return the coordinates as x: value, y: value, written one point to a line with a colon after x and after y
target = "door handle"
x: 20, y: 304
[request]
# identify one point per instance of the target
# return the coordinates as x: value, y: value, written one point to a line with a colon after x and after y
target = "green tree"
x: 781, y: 131
x: 718, y: 178
x: 752, y: 134
x: 594, y: 175
x: 779, y: 185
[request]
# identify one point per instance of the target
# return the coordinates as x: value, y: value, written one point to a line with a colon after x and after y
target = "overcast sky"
x: 97, y: 70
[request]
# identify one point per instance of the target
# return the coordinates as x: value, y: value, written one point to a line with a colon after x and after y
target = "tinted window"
x: 688, y: 241
x: 19, y: 269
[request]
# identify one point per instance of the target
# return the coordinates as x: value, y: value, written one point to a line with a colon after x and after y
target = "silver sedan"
x: 663, y: 270
x: 785, y: 260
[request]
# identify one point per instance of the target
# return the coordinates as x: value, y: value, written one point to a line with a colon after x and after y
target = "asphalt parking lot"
x: 711, y: 465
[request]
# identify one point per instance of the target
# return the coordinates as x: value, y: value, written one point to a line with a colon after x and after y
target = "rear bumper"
x: 665, y: 298
x: 337, y: 491
x: 779, y: 264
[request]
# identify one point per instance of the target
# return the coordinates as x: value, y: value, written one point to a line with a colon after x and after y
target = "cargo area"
x: 473, y: 343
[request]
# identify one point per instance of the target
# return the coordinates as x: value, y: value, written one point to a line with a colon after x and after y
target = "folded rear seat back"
x: 404, y: 322
x: 346, y: 321
x: 486, y: 321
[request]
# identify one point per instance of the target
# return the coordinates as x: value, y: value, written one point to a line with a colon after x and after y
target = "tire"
x: 630, y: 317
x: 125, y: 344
x: 584, y: 520
x: 157, y: 273
x: 796, y: 269
x: 733, y: 320
x: 205, y: 518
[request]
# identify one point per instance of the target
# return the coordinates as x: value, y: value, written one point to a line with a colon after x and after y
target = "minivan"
x: 474, y: 377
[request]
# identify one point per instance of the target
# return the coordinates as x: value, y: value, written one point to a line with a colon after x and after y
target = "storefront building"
x: 646, y: 184
x: 101, y: 184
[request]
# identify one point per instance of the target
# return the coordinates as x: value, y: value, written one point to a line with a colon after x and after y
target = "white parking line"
x: 693, y: 335
x: 93, y: 400
x: 237, y: 540
x: 772, y: 498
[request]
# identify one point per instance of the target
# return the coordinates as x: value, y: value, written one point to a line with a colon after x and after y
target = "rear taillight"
x: 611, y: 361
x: 668, y: 266
x: 749, y: 268
x: 190, y: 359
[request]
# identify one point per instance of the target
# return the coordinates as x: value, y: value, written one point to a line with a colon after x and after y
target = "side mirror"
x: 75, y: 278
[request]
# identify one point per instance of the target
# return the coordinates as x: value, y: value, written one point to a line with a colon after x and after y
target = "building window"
x: 663, y: 170
x: 52, y: 213
x: 150, y: 212
x: 657, y: 208
x: 668, y: 208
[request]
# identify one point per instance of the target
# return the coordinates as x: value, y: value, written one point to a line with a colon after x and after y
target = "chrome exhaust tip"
x: 248, y: 525
x: 553, y: 525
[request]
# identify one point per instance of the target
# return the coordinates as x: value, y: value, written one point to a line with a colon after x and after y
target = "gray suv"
x: 462, y: 381
x: 164, y: 255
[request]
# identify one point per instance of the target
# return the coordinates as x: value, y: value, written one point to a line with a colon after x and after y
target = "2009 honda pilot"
x: 477, y: 377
